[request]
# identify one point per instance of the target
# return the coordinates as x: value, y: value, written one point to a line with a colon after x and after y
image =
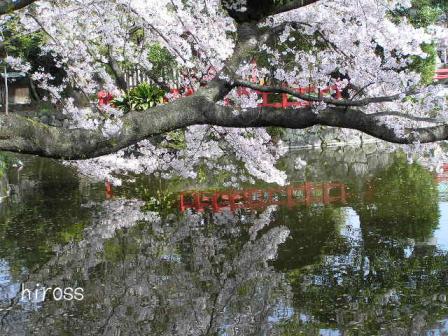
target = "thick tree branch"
x: 9, y: 6
x: 369, y: 124
x: 18, y: 134
x: 257, y: 10
x: 291, y: 5
x: 406, y: 116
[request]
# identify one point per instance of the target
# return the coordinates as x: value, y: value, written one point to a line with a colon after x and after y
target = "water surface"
x: 355, y: 244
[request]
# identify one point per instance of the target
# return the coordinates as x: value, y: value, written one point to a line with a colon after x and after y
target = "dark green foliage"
x: 276, y: 132
x: 425, y: 66
x: 19, y: 44
x: 423, y: 12
x: 161, y: 60
x: 27, y: 46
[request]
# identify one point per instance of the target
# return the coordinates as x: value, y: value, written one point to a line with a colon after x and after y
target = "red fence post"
x: 343, y: 194
x: 215, y: 202
x: 109, y: 192
x: 325, y: 194
x: 338, y: 93
x: 284, y: 100
x: 308, y: 193
x: 290, y: 200
x: 182, y: 204
x: 265, y: 99
x: 197, y: 201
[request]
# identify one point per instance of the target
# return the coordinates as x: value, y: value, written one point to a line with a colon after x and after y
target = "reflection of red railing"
x: 109, y: 191
x: 306, y: 194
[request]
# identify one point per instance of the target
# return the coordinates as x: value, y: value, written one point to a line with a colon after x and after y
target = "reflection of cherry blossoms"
x: 190, y: 276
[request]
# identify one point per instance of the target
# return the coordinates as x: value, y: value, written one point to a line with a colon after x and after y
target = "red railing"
x: 285, y: 97
x: 300, y: 103
x: 441, y: 74
x: 105, y: 98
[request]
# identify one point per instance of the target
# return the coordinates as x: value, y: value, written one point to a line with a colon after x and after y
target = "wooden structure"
x: 18, y: 88
x: 136, y: 76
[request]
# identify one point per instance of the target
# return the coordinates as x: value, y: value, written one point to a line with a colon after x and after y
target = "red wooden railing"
x: 441, y: 74
x: 308, y: 193
x: 105, y: 98
x: 285, y: 97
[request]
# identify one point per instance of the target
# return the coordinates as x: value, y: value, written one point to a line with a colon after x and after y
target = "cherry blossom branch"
x: 159, y: 33
x: 296, y: 25
x: 210, y: 63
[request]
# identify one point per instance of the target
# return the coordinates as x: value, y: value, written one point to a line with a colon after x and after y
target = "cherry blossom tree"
x: 367, y: 49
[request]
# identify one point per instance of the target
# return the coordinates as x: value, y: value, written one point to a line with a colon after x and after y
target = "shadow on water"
x: 259, y: 260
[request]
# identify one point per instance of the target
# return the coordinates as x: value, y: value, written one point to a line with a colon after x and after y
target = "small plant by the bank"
x: 140, y: 98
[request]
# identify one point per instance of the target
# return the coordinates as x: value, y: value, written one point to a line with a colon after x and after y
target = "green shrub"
x: 140, y: 98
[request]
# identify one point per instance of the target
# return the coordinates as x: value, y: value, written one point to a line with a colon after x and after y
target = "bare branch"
x: 307, y: 97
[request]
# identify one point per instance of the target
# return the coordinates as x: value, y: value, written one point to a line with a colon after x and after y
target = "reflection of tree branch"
x: 212, y: 314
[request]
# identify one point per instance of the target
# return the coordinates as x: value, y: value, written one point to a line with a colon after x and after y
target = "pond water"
x: 355, y: 244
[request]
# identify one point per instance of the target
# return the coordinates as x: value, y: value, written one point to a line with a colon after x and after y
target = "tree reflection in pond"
x: 190, y: 276
x: 364, y: 268
x: 387, y: 279
x: 401, y: 194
